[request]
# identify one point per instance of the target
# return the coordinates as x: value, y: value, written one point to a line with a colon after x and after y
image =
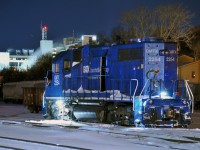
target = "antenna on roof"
x: 44, y: 29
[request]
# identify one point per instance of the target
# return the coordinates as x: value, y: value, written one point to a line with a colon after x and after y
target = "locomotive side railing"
x: 182, y: 90
x: 190, y: 94
x: 145, y: 85
x: 48, y: 77
x: 155, y: 88
x: 89, y: 88
x: 133, y: 97
x: 136, y: 80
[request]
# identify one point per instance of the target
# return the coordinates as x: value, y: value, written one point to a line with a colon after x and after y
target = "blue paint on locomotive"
x: 136, y: 73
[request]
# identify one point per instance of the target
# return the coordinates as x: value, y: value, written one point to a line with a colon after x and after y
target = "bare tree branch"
x: 167, y: 21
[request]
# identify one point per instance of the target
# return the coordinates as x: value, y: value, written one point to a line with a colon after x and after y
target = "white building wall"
x: 86, y: 39
x: 18, y: 63
x: 4, y: 60
x: 46, y: 46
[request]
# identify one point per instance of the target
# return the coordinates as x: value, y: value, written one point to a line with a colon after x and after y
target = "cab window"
x: 67, y: 65
x: 57, y: 69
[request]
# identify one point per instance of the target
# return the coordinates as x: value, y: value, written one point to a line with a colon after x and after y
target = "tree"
x: 169, y: 22
x: 12, y: 75
x: 172, y: 21
x: 102, y: 39
x: 40, y: 68
x: 192, y: 38
x: 139, y: 23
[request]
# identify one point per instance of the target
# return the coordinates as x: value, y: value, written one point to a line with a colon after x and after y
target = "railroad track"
x: 136, y: 135
x: 153, y: 137
x: 22, y: 144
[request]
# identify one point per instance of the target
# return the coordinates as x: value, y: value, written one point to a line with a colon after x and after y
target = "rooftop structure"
x: 14, y: 58
x: 88, y: 39
x: 46, y: 46
x: 4, y: 60
x: 44, y: 32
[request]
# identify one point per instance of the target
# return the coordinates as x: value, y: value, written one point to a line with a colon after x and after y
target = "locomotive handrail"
x: 135, y: 87
x: 43, y: 99
x: 190, y: 94
x: 144, y: 87
x: 47, y: 80
x: 134, y: 91
x: 82, y: 78
x: 106, y: 91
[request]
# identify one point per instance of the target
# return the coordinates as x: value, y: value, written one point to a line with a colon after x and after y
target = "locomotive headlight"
x: 163, y: 94
x: 140, y: 112
x: 59, y: 103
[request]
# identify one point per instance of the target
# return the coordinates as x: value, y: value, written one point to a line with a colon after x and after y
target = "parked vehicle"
x: 32, y: 96
x: 29, y: 93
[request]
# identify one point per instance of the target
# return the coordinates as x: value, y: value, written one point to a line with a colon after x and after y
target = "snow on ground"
x: 16, y: 121
x: 66, y: 123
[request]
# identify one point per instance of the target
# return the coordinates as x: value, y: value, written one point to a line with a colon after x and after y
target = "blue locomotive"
x: 127, y: 84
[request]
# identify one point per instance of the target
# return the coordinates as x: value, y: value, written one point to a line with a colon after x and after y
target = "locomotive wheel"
x: 31, y: 109
x: 102, y: 116
x: 37, y: 110
x: 111, y: 117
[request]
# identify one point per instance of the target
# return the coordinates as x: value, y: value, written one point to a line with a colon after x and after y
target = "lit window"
x: 53, y: 68
x: 193, y: 74
x: 57, y: 67
x: 67, y: 65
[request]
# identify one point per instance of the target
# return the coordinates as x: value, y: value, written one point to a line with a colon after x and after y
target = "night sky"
x: 20, y: 20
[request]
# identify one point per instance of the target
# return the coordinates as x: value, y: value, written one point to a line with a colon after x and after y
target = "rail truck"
x: 29, y: 93
x: 127, y: 84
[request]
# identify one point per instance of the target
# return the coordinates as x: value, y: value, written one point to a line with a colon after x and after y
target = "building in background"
x: 4, y: 60
x: 25, y: 58
x: 71, y: 42
x: 190, y: 71
x: 15, y: 58
x: 19, y: 57
x: 184, y: 59
x: 88, y: 39
x: 46, y: 46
